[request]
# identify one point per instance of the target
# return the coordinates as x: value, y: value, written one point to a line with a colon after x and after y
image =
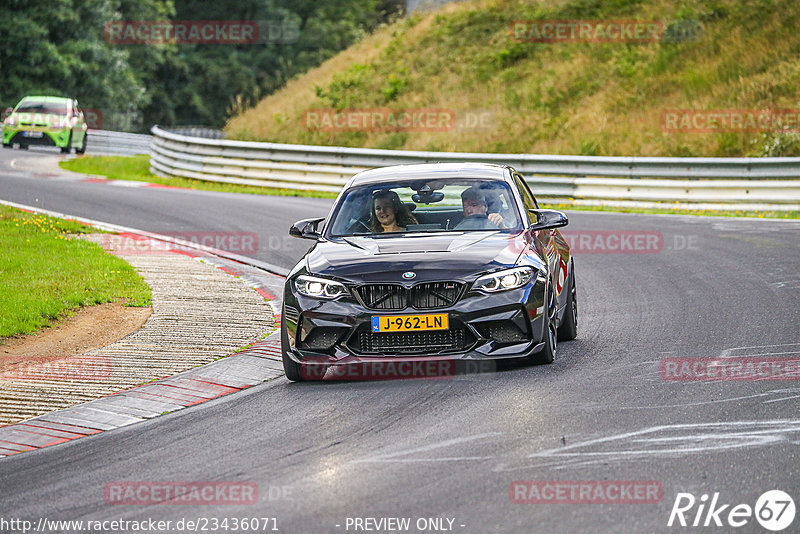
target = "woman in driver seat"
x: 389, y: 214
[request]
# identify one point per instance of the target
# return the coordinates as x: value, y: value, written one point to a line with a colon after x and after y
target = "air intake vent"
x: 322, y: 338
x: 412, y: 342
x: 291, y: 314
x: 503, y: 332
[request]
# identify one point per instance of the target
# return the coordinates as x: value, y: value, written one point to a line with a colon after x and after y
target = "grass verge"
x: 44, y: 274
x: 137, y: 168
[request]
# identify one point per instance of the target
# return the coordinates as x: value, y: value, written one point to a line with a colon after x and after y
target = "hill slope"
x: 594, y: 98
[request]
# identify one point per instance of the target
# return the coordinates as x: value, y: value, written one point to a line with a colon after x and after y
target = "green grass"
x: 45, y: 275
x: 137, y: 168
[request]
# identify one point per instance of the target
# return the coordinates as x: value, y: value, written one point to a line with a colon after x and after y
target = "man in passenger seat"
x: 476, y: 216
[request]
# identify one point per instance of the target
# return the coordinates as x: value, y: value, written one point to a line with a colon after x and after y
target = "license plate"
x: 407, y: 323
x: 32, y: 134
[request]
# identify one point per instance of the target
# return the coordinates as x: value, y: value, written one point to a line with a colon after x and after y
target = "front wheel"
x: 290, y: 367
x: 548, y: 353
x: 66, y: 149
x: 7, y: 145
x: 82, y: 149
x: 569, y: 327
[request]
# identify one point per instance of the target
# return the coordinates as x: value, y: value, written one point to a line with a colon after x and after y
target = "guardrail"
x: 105, y: 142
x: 762, y: 182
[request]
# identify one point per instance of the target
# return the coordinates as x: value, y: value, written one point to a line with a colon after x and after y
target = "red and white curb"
x: 126, y: 183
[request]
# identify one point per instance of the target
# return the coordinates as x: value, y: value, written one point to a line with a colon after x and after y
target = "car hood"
x: 444, y: 256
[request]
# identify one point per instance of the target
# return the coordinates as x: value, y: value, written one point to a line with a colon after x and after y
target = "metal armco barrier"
x: 117, y: 143
x: 762, y: 182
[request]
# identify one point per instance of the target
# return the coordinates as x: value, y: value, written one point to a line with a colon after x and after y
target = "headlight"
x: 503, y: 280
x: 10, y: 121
x: 320, y: 288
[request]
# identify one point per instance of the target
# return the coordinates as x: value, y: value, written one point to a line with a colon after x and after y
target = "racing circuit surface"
x: 321, y: 453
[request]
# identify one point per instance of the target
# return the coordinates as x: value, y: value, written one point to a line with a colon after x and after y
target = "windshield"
x: 44, y: 108
x: 441, y: 205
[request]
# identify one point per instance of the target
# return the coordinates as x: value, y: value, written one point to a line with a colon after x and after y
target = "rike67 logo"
x: 774, y: 510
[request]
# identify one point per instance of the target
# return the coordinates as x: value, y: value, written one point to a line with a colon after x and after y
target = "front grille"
x: 383, y: 296
x: 431, y: 295
x: 44, y: 140
x: 424, y: 296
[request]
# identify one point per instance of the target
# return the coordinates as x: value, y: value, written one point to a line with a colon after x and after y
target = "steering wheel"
x: 356, y: 226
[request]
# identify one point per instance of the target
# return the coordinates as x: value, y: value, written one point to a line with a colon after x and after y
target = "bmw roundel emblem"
x: 408, y: 275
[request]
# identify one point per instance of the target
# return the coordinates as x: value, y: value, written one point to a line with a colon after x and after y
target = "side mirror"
x: 306, y: 229
x: 546, y: 219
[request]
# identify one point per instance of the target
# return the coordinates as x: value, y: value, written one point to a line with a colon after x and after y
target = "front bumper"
x: 49, y: 136
x: 482, y: 327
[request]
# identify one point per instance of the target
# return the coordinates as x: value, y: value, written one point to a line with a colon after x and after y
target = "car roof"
x: 53, y: 99
x: 488, y: 171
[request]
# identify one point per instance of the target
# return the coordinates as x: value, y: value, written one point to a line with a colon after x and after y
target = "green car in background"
x: 46, y: 121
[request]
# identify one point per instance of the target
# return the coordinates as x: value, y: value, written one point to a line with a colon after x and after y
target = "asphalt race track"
x: 322, y: 453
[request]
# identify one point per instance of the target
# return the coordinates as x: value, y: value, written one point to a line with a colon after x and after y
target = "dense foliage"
x: 59, y: 48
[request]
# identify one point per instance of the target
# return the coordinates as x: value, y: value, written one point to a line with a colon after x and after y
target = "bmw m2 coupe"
x: 428, y: 263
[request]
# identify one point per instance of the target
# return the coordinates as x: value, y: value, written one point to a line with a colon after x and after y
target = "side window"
x: 527, y: 197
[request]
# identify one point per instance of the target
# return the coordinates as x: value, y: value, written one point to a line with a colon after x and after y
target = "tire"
x: 7, y: 145
x: 23, y: 147
x: 290, y: 367
x: 82, y: 149
x: 569, y: 326
x: 66, y: 149
x: 548, y: 353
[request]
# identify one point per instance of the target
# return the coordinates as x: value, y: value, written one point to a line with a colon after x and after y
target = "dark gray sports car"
x: 424, y: 267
